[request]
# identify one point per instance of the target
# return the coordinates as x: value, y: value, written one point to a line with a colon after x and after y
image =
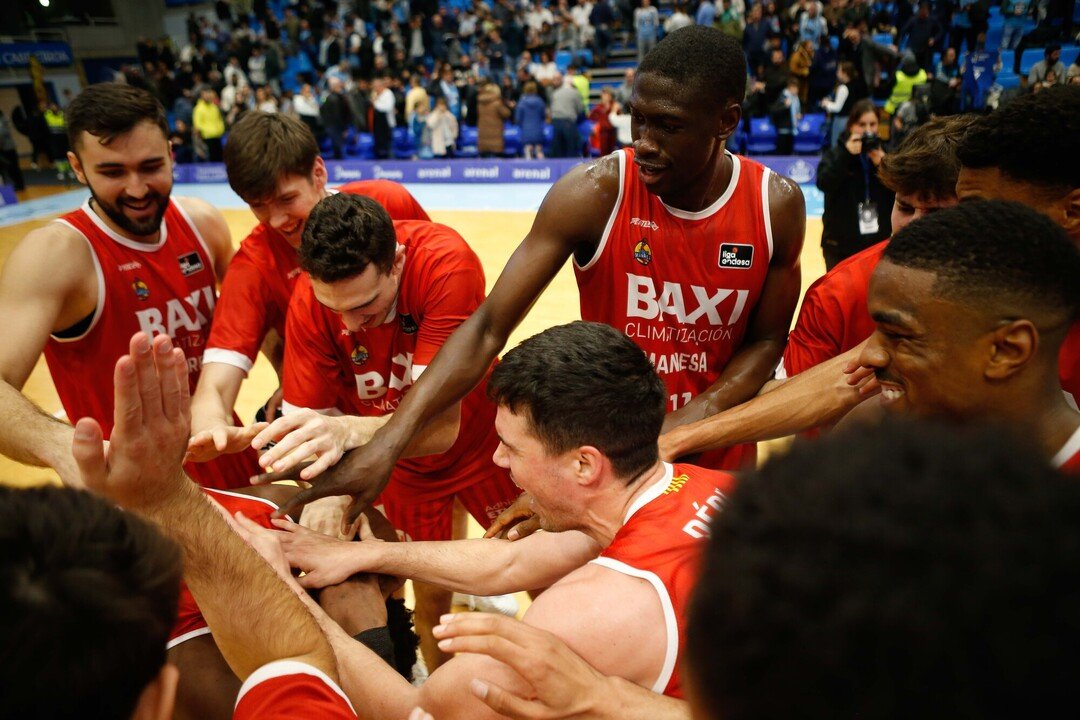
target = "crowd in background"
x: 434, y: 70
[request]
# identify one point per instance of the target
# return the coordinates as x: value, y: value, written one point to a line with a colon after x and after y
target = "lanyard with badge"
x: 868, y: 214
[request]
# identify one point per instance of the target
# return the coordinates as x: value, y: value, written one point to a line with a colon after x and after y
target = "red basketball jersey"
x: 661, y: 541
x: 367, y: 372
x: 189, y: 620
x: 1068, y: 458
x: 289, y: 689
x: 165, y: 288
x: 1069, y: 364
x: 834, y: 317
x: 683, y: 285
x: 256, y: 291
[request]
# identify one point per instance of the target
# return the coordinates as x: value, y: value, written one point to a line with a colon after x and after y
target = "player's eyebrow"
x: 110, y: 165
x: 890, y: 317
x: 503, y: 441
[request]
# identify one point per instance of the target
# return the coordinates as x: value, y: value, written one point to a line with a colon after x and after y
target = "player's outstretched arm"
x: 814, y: 397
x: 564, y: 686
x: 48, y: 283
x: 572, y: 215
x: 753, y: 364
x: 477, y: 567
x: 244, y: 602
x: 212, y: 430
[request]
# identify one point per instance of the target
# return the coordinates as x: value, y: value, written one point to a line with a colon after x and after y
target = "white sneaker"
x: 501, y: 604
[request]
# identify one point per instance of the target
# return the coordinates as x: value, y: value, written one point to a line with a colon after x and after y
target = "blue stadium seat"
x: 585, y: 131
x: 1007, y: 58
x: 993, y: 36
x: 549, y: 137
x: 1007, y: 79
x: 563, y: 58
x: 404, y: 145
x: 585, y: 57
x: 362, y: 146
x: 810, y: 134
x: 511, y: 140
x: 1069, y: 53
x: 883, y: 38
x: 737, y: 142
x: 1029, y: 58
x: 468, y: 141
x: 762, y: 138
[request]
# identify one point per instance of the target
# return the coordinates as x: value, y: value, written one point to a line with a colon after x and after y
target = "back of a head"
x: 108, y: 110
x: 887, y: 573
x: 584, y: 384
x: 265, y: 147
x: 926, y: 164
x: 703, y: 59
x: 343, y: 235
x: 996, y: 257
x: 1035, y: 138
x: 89, y: 598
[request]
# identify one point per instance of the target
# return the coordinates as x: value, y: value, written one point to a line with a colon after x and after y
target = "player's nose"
x: 874, y: 354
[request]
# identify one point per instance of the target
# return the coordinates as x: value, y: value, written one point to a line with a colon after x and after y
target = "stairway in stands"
x: 620, y: 58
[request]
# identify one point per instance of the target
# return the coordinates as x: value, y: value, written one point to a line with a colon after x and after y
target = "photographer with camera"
x: 857, y: 205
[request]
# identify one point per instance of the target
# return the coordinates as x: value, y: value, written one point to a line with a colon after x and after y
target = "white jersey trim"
x: 100, y: 289
x: 780, y: 373
x: 611, y: 218
x: 228, y: 357
x: 671, y: 653
x: 198, y: 235
x: 283, y: 668
x: 1070, y: 399
x: 1070, y: 448
x: 242, y: 496
x: 765, y: 209
x: 721, y: 201
x: 163, y: 232
x: 651, y: 493
x: 186, y: 636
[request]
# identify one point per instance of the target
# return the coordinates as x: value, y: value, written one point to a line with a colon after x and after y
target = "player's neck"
x: 606, y: 517
x: 706, y: 189
x: 104, y: 217
x: 1054, y: 426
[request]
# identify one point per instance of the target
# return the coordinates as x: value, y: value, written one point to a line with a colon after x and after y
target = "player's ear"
x: 319, y: 174
x: 158, y: 698
x: 588, y: 464
x: 1013, y: 346
x: 728, y: 120
x: 1070, y: 208
x: 76, y: 166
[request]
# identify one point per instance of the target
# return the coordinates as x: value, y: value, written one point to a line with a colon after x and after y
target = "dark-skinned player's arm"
x: 245, y: 603
x: 818, y: 396
x: 753, y: 364
x: 572, y: 216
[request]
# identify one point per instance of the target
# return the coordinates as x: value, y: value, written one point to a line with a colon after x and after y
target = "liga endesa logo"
x: 736, y: 255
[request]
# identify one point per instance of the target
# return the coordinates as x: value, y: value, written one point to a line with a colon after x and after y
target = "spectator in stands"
x: 443, y: 127
x: 9, y: 156
x: 416, y: 99
x: 257, y: 67
x: 265, y: 101
x: 384, y: 106
x: 679, y: 19
x: 844, y: 96
x: 706, y: 13
x: 602, y: 19
x: 767, y: 88
x: 813, y: 28
x: 1016, y: 13
x: 1050, y: 64
x: 580, y: 81
x: 306, y: 106
x: 924, y: 36
x: 730, y: 19
x: 336, y: 117
x: 968, y: 21
x: 626, y: 89
x: 1073, y: 75
x: 566, y: 109
x: 799, y: 65
x: 908, y: 76
x: 530, y: 114
x: 822, y: 74
x: 857, y: 205
x: 646, y: 28
x: 492, y: 112
x: 755, y: 38
x: 945, y: 92
x: 445, y: 88
x: 603, y: 132
x: 208, y: 124
x: 786, y: 113
x: 180, y: 141
x: 866, y: 54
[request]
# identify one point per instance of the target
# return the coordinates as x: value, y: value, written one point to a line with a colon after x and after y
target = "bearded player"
x: 130, y: 259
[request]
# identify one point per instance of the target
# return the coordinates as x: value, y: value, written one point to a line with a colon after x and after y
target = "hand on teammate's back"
x: 515, y: 522
x: 141, y: 465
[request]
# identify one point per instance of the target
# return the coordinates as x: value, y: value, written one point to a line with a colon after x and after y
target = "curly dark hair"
x: 1035, y: 138
x: 343, y: 235
x: 702, y: 58
x: 894, y: 572
x: 992, y: 250
x: 585, y: 383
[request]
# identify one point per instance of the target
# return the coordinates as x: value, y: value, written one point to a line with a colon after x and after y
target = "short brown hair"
x: 926, y: 163
x: 262, y: 147
x: 107, y: 110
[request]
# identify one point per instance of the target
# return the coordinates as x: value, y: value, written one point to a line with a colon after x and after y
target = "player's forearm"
x: 628, y: 701
x: 475, y: 567
x: 243, y: 600
x: 34, y: 437
x: 815, y: 397
x: 747, y: 371
x: 215, y: 395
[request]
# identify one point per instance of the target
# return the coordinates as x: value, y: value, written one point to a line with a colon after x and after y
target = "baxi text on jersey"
x: 685, y: 304
x: 191, y: 314
x: 373, y: 385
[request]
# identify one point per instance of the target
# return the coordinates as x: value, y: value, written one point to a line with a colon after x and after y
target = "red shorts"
x: 189, y: 620
x: 434, y: 519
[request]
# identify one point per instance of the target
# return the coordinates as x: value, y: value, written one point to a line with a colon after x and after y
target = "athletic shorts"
x: 433, y: 519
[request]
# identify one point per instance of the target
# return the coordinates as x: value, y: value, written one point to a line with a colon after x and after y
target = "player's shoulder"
x: 596, y: 182
x: 851, y: 273
x: 197, y: 209
x: 53, y: 253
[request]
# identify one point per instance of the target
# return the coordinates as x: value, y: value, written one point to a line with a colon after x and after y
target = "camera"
x: 870, y: 141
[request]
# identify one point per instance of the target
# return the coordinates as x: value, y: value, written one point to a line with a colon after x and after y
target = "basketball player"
x: 81, y: 563
x: 273, y: 163
x: 624, y: 529
x: 692, y: 251
x: 1028, y: 152
x: 129, y: 259
x: 377, y: 302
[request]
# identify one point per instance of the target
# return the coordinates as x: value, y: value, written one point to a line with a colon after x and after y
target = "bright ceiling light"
x: 44, y: 3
